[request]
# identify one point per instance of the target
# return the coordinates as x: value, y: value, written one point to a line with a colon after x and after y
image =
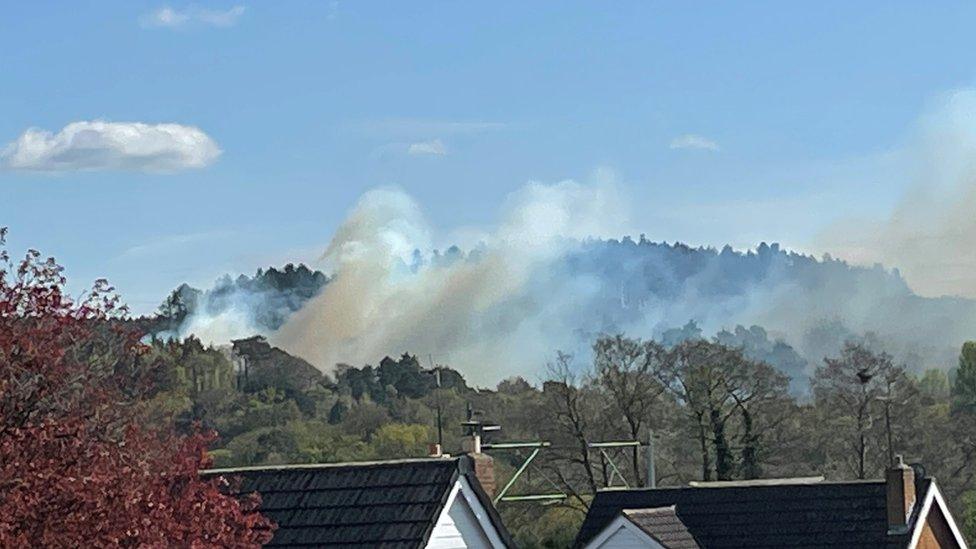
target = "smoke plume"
x: 540, y: 282
x: 552, y: 275
x: 930, y: 234
x: 486, y: 309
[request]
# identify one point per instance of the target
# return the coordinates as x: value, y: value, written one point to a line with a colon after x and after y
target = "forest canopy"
x: 716, y: 412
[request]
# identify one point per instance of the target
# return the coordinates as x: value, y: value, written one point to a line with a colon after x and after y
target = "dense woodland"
x: 86, y: 389
x: 715, y: 413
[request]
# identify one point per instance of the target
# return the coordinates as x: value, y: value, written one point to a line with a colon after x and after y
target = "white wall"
x: 623, y: 534
x: 463, y: 523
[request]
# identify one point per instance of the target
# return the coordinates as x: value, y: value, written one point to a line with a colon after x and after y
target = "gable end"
x: 935, y: 523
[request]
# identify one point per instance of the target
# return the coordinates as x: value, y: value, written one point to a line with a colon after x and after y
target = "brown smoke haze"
x: 479, y: 311
x: 931, y: 235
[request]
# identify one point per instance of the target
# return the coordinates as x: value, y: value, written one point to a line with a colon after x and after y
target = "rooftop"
x: 786, y: 512
x: 663, y: 525
x: 393, y: 504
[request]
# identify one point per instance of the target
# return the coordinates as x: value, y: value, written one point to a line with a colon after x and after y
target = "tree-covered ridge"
x: 816, y: 303
x: 661, y: 269
x: 638, y: 286
x: 268, y: 297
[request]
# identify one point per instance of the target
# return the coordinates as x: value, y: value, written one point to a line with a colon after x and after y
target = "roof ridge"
x: 651, y: 510
x: 739, y: 484
x: 784, y: 481
x: 336, y: 465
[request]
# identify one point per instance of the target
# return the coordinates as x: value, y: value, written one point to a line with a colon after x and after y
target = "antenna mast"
x: 437, y: 401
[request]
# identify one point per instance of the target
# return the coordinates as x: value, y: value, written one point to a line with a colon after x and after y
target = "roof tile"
x: 381, y: 504
x: 813, y: 515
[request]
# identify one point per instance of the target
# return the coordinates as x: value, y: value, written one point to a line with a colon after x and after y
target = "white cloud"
x: 99, y: 145
x: 173, y: 18
x: 432, y: 147
x: 692, y: 141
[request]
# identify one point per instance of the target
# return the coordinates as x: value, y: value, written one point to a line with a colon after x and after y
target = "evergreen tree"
x: 964, y: 390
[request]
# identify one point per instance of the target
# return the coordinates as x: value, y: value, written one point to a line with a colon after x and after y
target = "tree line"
x: 714, y: 413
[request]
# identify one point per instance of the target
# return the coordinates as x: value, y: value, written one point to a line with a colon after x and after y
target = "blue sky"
x: 725, y: 122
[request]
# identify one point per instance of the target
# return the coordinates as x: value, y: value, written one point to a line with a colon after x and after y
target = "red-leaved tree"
x: 79, y: 465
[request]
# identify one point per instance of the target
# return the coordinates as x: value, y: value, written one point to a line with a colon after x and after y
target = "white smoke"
x: 481, y: 312
x: 220, y: 327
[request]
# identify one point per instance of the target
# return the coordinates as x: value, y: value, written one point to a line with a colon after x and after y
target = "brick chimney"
x: 900, y: 483
x: 484, y: 465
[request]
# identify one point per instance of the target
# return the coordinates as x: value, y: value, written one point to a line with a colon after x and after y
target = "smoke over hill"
x: 241, y: 307
x: 554, y: 272
x: 539, y: 283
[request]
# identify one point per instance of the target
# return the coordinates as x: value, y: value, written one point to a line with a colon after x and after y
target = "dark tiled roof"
x: 827, y: 514
x: 392, y: 504
x: 663, y: 525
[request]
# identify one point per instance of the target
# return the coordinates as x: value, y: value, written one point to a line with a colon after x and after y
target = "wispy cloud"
x: 433, y: 147
x: 169, y: 17
x: 692, y: 141
x: 98, y: 145
x: 423, y: 128
x: 173, y: 243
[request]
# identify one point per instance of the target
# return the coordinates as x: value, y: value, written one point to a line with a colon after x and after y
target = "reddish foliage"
x: 77, y: 466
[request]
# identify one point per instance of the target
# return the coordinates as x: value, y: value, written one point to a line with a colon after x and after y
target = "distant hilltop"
x: 808, y: 305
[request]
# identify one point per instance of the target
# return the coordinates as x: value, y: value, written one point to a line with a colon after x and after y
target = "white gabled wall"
x: 463, y: 523
x: 623, y: 534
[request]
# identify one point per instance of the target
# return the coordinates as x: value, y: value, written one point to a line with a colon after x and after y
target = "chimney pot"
x: 471, y: 444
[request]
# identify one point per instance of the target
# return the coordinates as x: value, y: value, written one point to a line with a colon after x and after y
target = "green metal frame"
x: 518, y: 473
x: 534, y: 497
x: 617, y: 444
x: 538, y: 446
x: 514, y: 445
x: 613, y: 471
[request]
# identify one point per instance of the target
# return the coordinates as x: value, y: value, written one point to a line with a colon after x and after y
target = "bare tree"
x: 569, y: 418
x: 757, y: 389
x: 629, y: 370
x: 698, y: 373
x: 849, y: 388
